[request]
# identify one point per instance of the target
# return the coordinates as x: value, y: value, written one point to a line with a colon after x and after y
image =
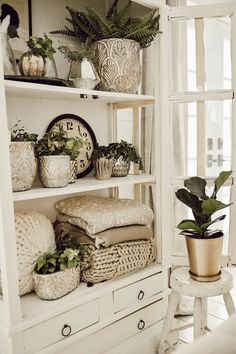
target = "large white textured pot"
x: 23, y: 165
x: 118, y: 64
x: 55, y: 285
x: 54, y: 171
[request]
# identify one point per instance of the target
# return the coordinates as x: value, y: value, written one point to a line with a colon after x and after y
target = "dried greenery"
x: 58, y: 261
x: 41, y: 47
x: 116, y: 23
x: 18, y: 133
x: 57, y: 142
x: 202, y: 205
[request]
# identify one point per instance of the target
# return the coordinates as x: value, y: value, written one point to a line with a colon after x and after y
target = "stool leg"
x: 197, y: 317
x: 173, y: 302
x: 229, y: 304
x: 204, y: 315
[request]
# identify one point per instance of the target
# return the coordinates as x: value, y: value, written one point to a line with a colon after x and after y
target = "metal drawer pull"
x: 141, y: 295
x: 66, y: 330
x: 141, y: 325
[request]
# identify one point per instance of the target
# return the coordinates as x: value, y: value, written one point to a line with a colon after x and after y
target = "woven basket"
x: 34, y: 236
x: 116, y: 260
x: 55, y: 285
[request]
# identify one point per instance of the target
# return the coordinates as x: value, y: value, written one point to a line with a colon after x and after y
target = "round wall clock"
x: 77, y: 126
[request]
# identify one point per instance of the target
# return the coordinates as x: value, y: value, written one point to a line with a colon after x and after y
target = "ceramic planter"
x: 121, y: 168
x: 73, y: 165
x: 23, y: 165
x: 103, y: 168
x: 55, y: 285
x: 32, y: 65
x: 54, y: 171
x: 204, y: 258
x: 118, y: 64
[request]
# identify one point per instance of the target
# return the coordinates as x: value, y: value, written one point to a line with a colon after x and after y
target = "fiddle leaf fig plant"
x: 203, y: 206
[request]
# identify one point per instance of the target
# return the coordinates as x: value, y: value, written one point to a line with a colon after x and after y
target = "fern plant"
x: 90, y: 26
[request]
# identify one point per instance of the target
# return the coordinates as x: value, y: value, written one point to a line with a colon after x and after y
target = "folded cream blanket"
x: 108, y: 237
x: 96, y: 214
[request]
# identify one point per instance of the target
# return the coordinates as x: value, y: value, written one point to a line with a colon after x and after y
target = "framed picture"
x: 20, y: 25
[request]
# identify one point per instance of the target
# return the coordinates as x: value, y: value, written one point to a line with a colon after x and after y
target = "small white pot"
x: 54, y: 170
x: 55, y: 285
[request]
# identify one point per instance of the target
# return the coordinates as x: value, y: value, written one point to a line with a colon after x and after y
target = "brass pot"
x: 204, y: 258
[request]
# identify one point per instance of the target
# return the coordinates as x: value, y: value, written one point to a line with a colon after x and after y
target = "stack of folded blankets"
x: 115, y: 233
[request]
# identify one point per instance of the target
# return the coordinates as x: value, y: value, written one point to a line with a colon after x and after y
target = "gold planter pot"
x: 204, y: 258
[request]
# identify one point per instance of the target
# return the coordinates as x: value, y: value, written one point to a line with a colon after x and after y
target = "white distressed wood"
x: 153, y: 4
x: 173, y: 302
x: 201, y: 11
x: 31, y: 90
x: 229, y: 304
x: 204, y: 315
x: 83, y: 185
x: 216, y: 95
x: 197, y: 317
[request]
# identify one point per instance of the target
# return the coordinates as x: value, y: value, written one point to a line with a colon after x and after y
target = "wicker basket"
x: 34, y: 236
x: 55, y: 285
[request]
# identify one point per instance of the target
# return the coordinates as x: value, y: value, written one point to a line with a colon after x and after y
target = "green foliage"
x: 57, y: 142
x: 75, y: 56
x: 102, y: 151
x: 58, y: 261
x: 126, y: 151
x: 18, y: 133
x: 203, y: 206
x: 41, y: 46
x: 116, y: 23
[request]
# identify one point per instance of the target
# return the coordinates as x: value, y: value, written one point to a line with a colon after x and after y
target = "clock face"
x: 76, y: 126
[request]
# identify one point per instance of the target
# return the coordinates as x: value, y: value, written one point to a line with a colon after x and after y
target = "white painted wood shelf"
x: 84, y: 184
x: 40, y: 91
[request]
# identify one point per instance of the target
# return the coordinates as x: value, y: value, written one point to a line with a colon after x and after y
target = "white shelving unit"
x: 110, y: 310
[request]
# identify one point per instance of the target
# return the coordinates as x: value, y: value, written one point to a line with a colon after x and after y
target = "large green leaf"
x: 189, y: 199
x: 219, y: 181
x: 189, y: 225
x: 206, y: 225
x: 196, y: 185
x: 210, y: 206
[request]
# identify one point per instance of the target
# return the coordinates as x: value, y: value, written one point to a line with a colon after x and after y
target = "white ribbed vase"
x: 23, y: 165
x: 54, y: 170
x: 55, y: 285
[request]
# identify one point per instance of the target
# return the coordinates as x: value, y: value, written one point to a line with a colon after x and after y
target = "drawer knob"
x: 66, y: 330
x: 141, y: 325
x: 141, y: 295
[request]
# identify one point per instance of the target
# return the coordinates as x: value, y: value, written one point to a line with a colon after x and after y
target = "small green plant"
x: 102, y: 151
x: 57, y: 142
x: 126, y: 151
x: 202, y: 205
x: 58, y: 261
x: 116, y: 23
x: 75, y: 56
x: 41, y: 47
x: 18, y: 133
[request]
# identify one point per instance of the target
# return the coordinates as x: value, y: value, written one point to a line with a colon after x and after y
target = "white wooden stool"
x: 182, y: 284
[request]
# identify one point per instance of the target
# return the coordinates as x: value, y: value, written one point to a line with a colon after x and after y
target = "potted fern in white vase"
x: 117, y: 40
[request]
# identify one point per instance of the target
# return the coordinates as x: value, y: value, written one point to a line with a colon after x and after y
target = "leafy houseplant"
x: 103, y: 161
x: 124, y: 153
x: 116, y: 32
x: 23, y: 161
x: 37, y: 60
x: 57, y: 273
x: 201, y: 240
x: 55, y: 151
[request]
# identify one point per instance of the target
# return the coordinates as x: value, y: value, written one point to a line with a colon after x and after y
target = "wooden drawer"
x: 62, y: 326
x: 136, y: 292
x: 120, y: 331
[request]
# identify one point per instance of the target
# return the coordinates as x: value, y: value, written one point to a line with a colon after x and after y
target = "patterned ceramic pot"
x: 103, y: 168
x: 118, y: 64
x: 55, y: 285
x: 121, y: 168
x: 32, y: 65
x: 54, y: 171
x: 23, y: 165
x: 73, y: 177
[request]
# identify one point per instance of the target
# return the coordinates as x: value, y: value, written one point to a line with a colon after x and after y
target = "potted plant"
x: 57, y: 273
x: 82, y: 70
x: 204, y: 245
x: 72, y: 148
x: 38, y: 61
x: 55, y: 151
x: 124, y: 153
x: 23, y: 160
x: 103, y: 162
x: 117, y: 39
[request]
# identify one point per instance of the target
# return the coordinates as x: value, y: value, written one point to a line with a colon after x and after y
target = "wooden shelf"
x: 39, y: 91
x: 85, y: 184
x: 153, y: 4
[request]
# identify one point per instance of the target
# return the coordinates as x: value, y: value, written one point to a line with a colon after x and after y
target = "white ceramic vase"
x: 54, y: 170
